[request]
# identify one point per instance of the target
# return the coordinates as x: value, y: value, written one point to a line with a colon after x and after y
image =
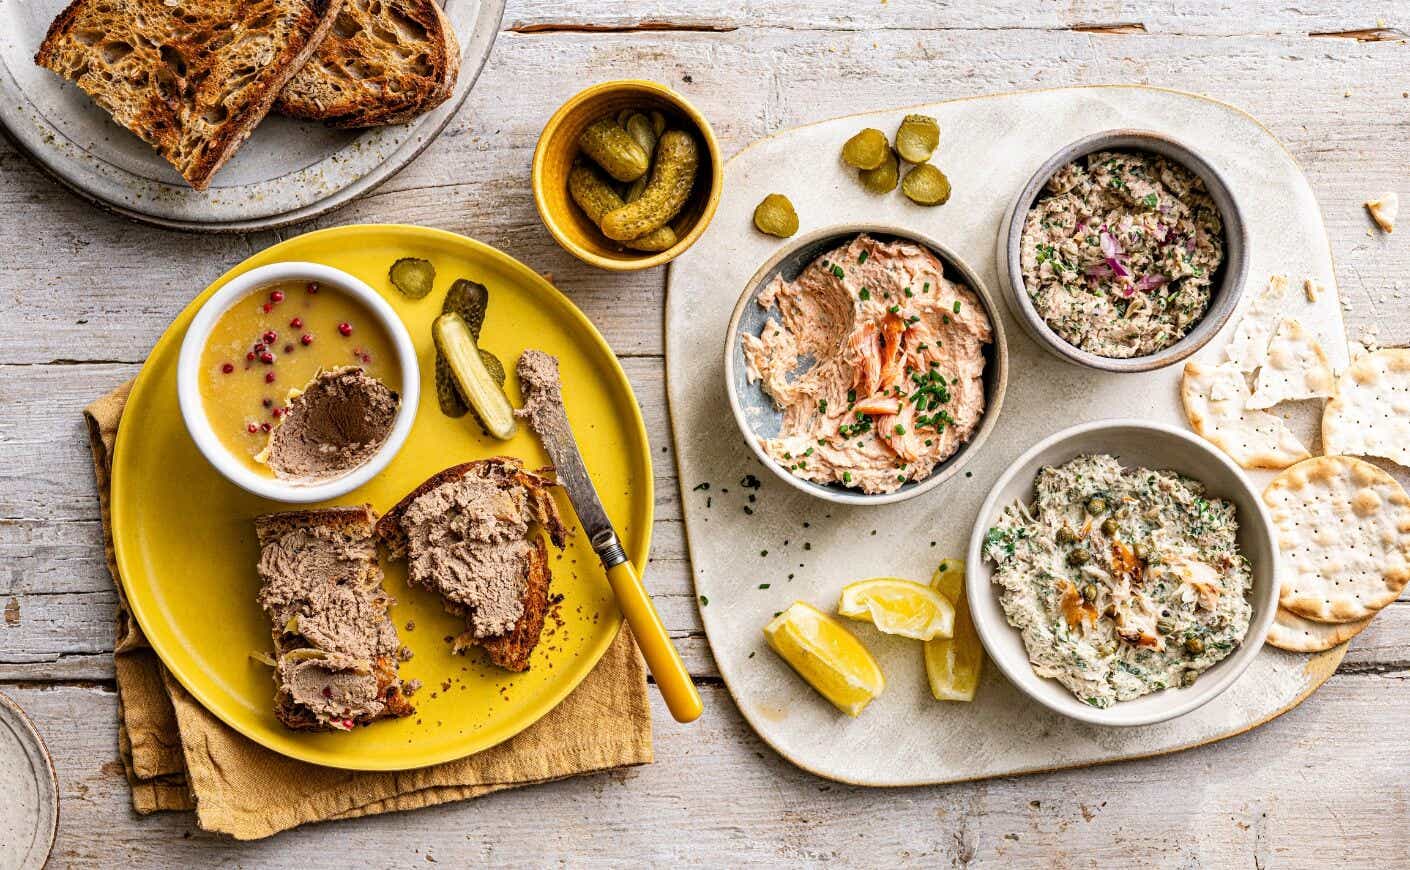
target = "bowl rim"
x: 998, y: 378
x: 627, y: 263
x: 979, y: 583
x: 192, y: 405
x: 1224, y: 299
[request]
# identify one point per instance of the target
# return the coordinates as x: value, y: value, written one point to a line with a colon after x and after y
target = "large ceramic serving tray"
x: 288, y: 171
x: 755, y: 550
x: 186, y: 545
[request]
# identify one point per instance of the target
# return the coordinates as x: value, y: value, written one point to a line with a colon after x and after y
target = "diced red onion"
x: 1151, y: 282
x: 1117, y: 269
x: 1101, y: 270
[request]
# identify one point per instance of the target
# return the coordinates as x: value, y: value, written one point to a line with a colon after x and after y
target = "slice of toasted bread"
x: 355, y: 579
x: 511, y: 649
x: 383, y: 62
x: 191, y: 79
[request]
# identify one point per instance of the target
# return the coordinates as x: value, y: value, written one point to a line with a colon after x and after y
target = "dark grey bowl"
x: 754, y: 410
x: 1231, y: 275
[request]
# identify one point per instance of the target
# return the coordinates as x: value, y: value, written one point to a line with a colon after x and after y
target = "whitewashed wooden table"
x: 87, y: 294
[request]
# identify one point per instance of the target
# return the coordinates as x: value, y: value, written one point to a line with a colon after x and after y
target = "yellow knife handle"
x: 661, y: 656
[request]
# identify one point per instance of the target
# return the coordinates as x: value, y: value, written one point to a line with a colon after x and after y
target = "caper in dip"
x: 1123, y: 581
x: 1119, y: 252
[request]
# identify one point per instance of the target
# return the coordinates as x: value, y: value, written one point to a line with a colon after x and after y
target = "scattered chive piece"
x: 957, y: 306
x: 846, y: 478
x: 763, y: 585
x: 702, y: 487
x: 704, y: 602
x: 900, y: 430
x: 908, y: 293
x: 763, y: 553
x: 862, y: 257
x: 837, y: 271
x: 925, y: 288
x: 864, y: 294
x: 894, y: 309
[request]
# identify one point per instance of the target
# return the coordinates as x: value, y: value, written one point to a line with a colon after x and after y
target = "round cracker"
x: 1215, y: 399
x: 1370, y: 415
x: 1344, y: 533
x: 1295, y: 634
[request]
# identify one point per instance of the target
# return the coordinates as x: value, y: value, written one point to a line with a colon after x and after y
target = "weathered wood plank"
x: 1270, y: 798
x: 1357, y: 20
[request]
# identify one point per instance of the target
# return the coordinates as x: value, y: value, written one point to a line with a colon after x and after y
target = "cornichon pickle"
x: 883, y: 178
x: 469, y: 300
x: 867, y: 149
x: 414, y: 277
x: 926, y: 185
x: 672, y: 177
x: 639, y: 128
x: 917, y: 137
x: 658, y: 123
x: 596, y: 198
x: 610, y: 147
x: 776, y: 216
x: 477, y: 385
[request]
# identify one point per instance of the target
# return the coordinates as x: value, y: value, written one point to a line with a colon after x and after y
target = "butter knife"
x: 543, y: 408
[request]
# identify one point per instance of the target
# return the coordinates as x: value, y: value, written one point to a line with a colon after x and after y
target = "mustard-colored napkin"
x: 180, y: 757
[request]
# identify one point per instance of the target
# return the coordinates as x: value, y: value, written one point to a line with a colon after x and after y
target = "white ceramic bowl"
x: 193, y: 411
x: 757, y: 415
x: 1134, y: 443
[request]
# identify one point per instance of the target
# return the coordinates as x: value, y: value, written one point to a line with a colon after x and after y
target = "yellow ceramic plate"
x: 186, y: 545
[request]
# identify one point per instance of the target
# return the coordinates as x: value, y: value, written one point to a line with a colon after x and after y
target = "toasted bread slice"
x: 336, y: 649
x: 383, y: 62
x: 509, y: 648
x: 191, y: 79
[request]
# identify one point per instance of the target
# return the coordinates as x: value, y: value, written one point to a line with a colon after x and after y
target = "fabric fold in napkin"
x: 178, y: 756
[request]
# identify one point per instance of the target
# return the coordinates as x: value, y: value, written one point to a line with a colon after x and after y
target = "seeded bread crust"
x: 355, y: 523
x: 383, y: 62
x: 191, y: 79
x: 511, y: 650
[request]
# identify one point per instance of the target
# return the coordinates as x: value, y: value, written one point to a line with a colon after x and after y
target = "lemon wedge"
x: 827, y: 656
x: 953, y: 665
x: 898, y: 606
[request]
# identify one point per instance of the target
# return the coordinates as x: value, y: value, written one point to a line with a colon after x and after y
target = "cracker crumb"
x: 1312, y: 289
x: 1384, y: 210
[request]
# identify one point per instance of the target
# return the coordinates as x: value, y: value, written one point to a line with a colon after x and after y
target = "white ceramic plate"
x: 288, y: 171
x: 29, y: 792
x: 1136, y: 444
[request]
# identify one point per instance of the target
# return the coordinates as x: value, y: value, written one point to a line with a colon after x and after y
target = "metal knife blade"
x: 543, y: 408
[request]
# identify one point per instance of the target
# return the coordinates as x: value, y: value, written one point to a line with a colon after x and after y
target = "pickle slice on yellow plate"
x: 413, y: 276
x: 477, y: 385
x: 953, y: 666
x: 827, y: 655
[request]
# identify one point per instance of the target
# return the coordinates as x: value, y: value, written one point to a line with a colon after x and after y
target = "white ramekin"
x: 193, y: 409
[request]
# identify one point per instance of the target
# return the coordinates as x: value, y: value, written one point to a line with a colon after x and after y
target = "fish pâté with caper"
x: 1120, y: 251
x: 1122, y: 581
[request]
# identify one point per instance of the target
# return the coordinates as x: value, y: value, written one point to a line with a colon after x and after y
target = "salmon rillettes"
x: 895, y: 385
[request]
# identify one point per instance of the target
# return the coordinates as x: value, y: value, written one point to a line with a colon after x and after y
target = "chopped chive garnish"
x: 925, y: 288
x: 864, y: 294
x: 862, y: 257
x: 908, y: 293
x: 837, y: 271
x: 763, y: 586
x: 846, y: 478
x: 957, y: 306
x: 894, y: 309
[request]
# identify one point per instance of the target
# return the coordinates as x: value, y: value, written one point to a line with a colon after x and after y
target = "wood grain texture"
x: 86, y: 294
